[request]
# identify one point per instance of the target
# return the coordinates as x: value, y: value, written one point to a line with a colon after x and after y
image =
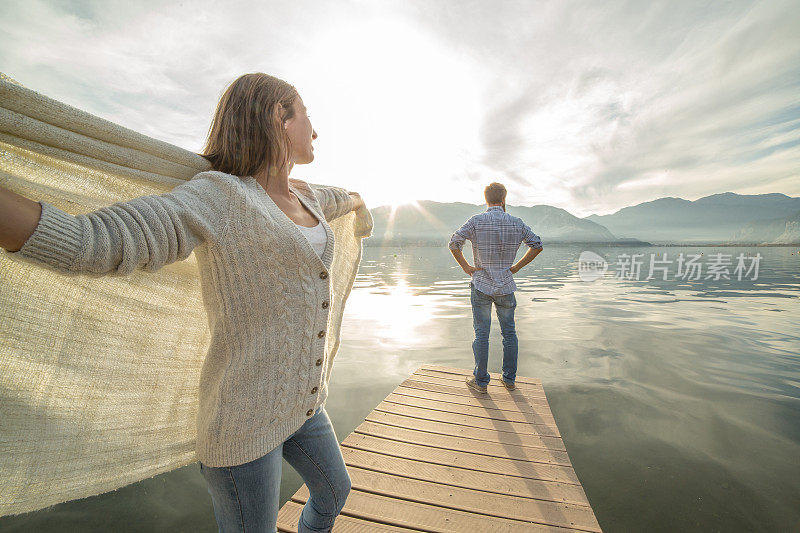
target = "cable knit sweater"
x: 266, y: 292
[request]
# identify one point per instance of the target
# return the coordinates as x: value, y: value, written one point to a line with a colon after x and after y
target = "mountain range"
x: 719, y: 219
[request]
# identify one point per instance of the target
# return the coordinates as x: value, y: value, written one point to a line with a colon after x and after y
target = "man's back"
x: 496, y: 237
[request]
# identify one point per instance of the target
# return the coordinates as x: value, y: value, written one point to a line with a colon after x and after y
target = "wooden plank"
x: 490, y: 433
x: 463, y: 372
x: 468, y: 372
x: 526, y: 434
x: 534, y: 388
x: 436, y: 456
x: 522, y: 430
x: 496, y: 506
x: 430, y: 376
x: 289, y: 515
x: 485, y: 403
x: 505, y: 401
x: 428, y: 370
x: 447, y: 442
x: 470, y: 479
x: 496, y: 392
x: 481, y: 463
x: 426, y: 517
x: 461, y: 389
x: 443, y: 411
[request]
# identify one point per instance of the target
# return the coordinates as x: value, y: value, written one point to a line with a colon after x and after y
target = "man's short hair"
x: 495, y: 193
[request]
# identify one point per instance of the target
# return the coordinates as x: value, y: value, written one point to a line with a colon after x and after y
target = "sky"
x: 585, y: 105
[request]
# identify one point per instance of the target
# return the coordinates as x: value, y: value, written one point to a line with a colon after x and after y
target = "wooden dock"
x: 437, y: 456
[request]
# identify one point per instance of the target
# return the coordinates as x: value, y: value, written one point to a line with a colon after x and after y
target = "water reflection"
x: 678, y: 400
x: 391, y: 313
x: 683, y: 392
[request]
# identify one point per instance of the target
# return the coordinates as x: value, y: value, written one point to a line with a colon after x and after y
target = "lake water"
x: 678, y: 400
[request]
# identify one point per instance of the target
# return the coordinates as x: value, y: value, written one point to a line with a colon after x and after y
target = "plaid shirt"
x: 496, y: 237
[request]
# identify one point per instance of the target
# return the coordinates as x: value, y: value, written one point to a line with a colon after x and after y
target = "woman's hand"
x: 359, y: 202
x: 19, y: 220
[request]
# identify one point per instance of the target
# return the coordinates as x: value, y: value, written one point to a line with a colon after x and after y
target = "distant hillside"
x: 784, y: 230
x: 719, y: 218
x: 434, y: 222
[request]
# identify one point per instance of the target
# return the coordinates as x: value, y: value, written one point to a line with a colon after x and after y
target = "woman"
x: 264, y: 249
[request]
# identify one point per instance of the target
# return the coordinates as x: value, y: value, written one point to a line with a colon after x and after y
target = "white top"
x: 316, y: 236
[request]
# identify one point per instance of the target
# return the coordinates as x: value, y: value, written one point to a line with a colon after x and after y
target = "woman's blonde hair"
x: 247, y: 133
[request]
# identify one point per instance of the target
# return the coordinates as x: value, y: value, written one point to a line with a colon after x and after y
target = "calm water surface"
x: 678, y: 400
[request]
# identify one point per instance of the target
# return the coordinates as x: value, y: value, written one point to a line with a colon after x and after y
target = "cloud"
x: 618, y: 102
x: 153, y: 66
x: 589, y: 106
x: 393, y: 109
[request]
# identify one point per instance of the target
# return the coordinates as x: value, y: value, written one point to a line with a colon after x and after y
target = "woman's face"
x: 300, y: 133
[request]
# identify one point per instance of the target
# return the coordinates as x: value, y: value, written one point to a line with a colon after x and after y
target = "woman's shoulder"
x: 304, y: 188
x: 300, y: 185
x: 314, y: 189
x: 214, y: 182
x: 216, y: 177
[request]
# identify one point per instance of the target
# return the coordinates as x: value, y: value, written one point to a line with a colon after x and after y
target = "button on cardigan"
x: 265, y: 292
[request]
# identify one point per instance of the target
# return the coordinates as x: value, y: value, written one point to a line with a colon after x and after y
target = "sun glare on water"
x: 393, y: 313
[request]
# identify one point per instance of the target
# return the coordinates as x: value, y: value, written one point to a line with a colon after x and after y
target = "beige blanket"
x: 98, y: 376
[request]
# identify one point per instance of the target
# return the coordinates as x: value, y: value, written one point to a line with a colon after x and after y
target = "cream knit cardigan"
x: 108, y: 380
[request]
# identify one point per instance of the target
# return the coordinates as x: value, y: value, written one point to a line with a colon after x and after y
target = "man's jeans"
x: 245, y: 497
x: 482, y: 321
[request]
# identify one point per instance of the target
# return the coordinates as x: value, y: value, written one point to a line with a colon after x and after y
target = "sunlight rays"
x: 425, y: 215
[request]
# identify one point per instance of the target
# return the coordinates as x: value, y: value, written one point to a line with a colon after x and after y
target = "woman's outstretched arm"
x: 335, y: 201
x: 147, y: 232
x: 18, y: 219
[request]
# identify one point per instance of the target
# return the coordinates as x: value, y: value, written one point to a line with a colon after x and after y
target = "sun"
x: 394, y: 204
x: 391, y: 199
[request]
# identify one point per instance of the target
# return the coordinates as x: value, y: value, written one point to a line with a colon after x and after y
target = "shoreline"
x: 390, y: 244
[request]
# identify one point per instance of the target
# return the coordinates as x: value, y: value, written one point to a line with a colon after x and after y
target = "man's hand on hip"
x: 470, y: 270
x: 462, y: 261
x: 527, y: 258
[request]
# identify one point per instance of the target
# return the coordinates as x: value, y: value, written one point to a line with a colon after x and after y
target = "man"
x: 496, y: 237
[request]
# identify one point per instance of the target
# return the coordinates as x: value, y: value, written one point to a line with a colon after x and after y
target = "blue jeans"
x: 482, y: 321
x: 245, y: 497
